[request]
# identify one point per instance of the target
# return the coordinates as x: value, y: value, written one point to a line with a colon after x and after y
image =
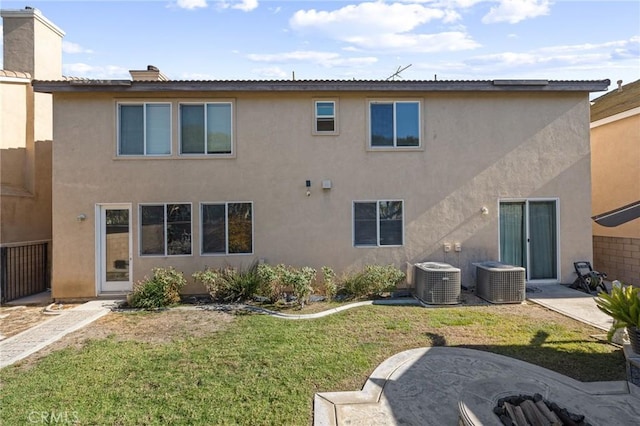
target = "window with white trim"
x: 206, y: 128
x: 227, y: 228
x: 325, y: 121
x: 165, y: 229
x: 144, y: 128
x: 378, y: 223
x: 394, y: 124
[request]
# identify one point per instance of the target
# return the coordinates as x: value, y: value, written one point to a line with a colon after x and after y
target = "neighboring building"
x: 151, y: 172
x: 32, y: 49
x: 615, y: 168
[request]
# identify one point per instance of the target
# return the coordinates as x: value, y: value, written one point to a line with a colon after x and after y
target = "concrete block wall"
x: 618, y: 257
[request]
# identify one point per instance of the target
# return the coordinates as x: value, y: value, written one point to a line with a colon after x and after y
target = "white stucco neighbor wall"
x: 476, y: 149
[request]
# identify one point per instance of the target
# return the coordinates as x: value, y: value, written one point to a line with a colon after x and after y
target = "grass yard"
x: 172, y: 367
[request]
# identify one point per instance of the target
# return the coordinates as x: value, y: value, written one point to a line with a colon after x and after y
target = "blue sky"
x: 343, y: 39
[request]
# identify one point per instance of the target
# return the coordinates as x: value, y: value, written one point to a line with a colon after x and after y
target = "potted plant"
x: 623, y: 305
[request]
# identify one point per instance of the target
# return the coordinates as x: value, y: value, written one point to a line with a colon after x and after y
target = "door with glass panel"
x: 115, y: 248
x: 529, y: 237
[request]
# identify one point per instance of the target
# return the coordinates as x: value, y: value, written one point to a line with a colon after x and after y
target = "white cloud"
x: 382, y: 26
x: 244, y: 5
x: 197, y: 76
x: 89, y: 71
x: 514, y: 11
x: 423, y: 43
x: 271, y: 72
x: 191, y: 4
x: 325, y: 59
x: 69, y: 47
x: 592, y: 56
x: 366, y: 18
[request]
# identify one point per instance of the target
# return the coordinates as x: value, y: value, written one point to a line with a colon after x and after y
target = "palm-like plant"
x: 623, y: 305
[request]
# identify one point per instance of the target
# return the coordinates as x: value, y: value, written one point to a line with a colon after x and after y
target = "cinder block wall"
x: 618, y: 257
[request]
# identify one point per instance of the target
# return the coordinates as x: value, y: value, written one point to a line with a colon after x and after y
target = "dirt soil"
x: 15, y: 319
x: 152, y: 327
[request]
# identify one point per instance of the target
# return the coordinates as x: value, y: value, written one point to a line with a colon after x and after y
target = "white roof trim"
x: 23, y: 80
x: 616, y: 117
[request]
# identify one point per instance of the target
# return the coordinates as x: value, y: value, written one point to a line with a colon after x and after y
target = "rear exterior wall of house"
x: 476, y: 150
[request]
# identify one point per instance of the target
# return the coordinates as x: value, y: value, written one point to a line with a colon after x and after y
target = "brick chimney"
x: 32, y: 44
x: 152, y: 73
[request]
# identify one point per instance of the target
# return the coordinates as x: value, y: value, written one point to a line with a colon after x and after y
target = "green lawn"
x: 262, y: 370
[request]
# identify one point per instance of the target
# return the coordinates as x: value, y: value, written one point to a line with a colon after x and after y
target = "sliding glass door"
x: 529, y: 237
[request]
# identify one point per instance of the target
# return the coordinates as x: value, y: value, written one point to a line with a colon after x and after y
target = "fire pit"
x: 535, y: 410
x: 517, y: 402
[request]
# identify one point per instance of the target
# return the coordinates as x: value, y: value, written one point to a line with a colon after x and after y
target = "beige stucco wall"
x: 25, y: 162
x: 615, y: 169
x: 32, y: 44
x: 477, y: 149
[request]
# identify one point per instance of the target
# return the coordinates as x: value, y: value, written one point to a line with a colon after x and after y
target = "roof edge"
x: 87, y: 85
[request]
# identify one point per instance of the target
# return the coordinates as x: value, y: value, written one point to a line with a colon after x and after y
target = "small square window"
x: 325, y: 117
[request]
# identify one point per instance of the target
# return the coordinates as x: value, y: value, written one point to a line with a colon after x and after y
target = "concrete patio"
x: 455, y: 386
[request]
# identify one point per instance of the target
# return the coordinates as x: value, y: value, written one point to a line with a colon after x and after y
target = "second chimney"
x: 152, y: 73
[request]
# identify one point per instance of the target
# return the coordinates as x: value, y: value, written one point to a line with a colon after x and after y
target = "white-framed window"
x: 394, y: 124
x: 227, y: 228
x: 325, y: 120
x: 144, y: 128
x: 378, y: 223
x: 165, y: 229
x: 206, y: 128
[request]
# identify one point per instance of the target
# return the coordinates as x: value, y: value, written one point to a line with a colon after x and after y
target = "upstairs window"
x: 144, y: 129
x: 378, y: 223
x: 165, y: 229
x: 394, y: 124
x: 206, y: 129
x: 227, y: 228
x: 325, y: 117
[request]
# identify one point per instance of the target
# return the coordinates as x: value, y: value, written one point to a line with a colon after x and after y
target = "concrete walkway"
x: 32, y: 340
x: 572, y: 303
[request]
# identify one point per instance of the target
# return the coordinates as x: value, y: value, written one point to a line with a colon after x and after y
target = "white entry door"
x: 114, y: 246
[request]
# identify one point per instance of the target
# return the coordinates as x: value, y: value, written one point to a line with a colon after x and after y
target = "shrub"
x: 276, y: 280
x: 161, y: 290
x: 373, y: 281
x: 330, y: 285
x: 229, y: 284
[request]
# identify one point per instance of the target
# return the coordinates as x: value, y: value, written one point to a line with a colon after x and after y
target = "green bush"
x: 161, y: 290
x: 276, y: 280
x: 372, y: 281
x: 229, y: 284
x: 330, y: 285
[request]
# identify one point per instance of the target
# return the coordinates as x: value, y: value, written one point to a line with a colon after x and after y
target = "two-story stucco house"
x: 151, y: 172
x: 615, y: 167
x: 31, y: 49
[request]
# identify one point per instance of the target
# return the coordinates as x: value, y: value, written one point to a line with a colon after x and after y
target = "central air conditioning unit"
x: 500, y: 283
x: 437, y: 283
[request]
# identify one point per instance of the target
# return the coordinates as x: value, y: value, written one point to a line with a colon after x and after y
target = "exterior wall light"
x: 81, y: 217
x: 484, y: 210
